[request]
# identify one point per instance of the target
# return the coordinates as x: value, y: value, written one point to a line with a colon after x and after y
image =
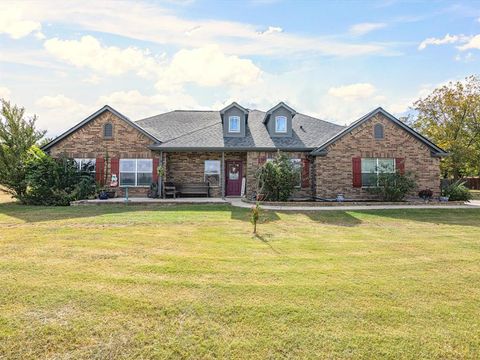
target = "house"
x: 226, y: 147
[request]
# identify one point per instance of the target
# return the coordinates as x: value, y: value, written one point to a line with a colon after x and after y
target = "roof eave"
x: 223, y: 148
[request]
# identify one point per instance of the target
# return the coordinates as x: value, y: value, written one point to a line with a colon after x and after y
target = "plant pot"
x: 103, y: 195
x: 444, y: 198
x: 111, y: 194
x: 340, y: 198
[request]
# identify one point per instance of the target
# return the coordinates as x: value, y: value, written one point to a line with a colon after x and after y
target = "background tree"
x: 450, y: 117
x: 17, y: 136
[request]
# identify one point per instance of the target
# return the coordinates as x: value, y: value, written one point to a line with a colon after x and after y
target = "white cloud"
x: 271, y: 30
x: 127, y: 18
x: 364, y: 28
x: 447, y: 39
x: 14, y: 23
x: 207, y: 66
x: 92, y: 79
x: 88, y: 52
x: 353, y: 91
x: 4, y: 93
x: 139, y: 105
x: 473, y: 43
x: 56, y: 102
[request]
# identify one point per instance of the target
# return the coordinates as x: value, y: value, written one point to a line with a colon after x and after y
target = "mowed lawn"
x: 192, y: 282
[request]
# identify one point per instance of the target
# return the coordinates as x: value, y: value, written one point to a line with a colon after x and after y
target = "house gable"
x: 88, y: 139
x: 370, y: 118
x: 100, y: 114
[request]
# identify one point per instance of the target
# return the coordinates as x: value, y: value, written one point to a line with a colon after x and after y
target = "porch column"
x: 161, y: 179
x: 222, y: 174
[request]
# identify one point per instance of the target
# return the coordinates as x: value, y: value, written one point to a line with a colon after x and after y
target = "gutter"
x: 220, y: 149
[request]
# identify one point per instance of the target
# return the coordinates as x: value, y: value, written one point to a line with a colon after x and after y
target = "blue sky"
x: 335, y: 60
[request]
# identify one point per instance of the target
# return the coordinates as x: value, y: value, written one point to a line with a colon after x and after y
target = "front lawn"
x: 191, y: 282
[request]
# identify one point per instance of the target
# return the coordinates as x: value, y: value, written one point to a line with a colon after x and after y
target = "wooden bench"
x: 169, y: 188
x: 193, y: 189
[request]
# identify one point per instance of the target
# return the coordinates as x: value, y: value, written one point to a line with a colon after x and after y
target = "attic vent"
x: 378, y: 131
x: 108, y: 130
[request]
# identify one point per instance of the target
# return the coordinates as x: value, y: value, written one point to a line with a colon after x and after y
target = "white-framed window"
x: 280, y: 124
x: 212, y: 172
x: 85, y: 164
x: 136, y: 172
x: 297, y: 166
x: 372, y: 167
x: 234, y: 124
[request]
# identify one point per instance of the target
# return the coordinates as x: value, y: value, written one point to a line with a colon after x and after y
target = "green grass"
x: 192, y: 282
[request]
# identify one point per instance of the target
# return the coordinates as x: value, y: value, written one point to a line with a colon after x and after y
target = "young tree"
x: 450, y: 117
x: 17, y: 136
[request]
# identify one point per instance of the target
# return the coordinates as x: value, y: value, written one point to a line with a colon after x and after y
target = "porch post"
x: 161, y: 178
x: 222, y: 174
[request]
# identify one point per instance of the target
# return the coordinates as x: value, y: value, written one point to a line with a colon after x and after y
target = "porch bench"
x: 197, y: 189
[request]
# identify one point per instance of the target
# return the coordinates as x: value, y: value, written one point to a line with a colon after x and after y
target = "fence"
x: 473, y: 183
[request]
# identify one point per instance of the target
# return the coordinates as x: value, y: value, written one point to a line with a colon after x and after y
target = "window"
x: 234, y: 124
x: 212, y: 172
x: 136, y: 172
x: 372, y: 167
x: 280, y: 124
x: 87, y: 165
x: 108, y: 130
x: 297, y: 166
x: 378, y: 131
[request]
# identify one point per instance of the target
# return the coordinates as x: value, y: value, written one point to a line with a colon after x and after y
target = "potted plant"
x: 153, y: 191
x: 425, y: 194
x: 103, y: 194
x: 444, y: 197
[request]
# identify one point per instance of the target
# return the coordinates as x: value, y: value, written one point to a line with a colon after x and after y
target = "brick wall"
x: 334, y: 171
x: 88, y: 142
x: 189, y: 167
x: 253, y: 164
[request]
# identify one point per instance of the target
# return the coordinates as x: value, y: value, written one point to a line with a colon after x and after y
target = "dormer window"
x: 108, y: 131
x: 280, y: 124
x: 234, y: 124
x: 378, y: 131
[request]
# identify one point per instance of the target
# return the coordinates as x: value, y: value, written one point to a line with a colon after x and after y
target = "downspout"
x: 222, y: 174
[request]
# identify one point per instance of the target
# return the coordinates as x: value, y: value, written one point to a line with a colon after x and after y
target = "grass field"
x: 192, y: 282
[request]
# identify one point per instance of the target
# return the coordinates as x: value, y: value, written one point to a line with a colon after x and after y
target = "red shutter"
x: 357, y: 172
x: 305, y: 173
x: 156, y: 162
x: 99, y: 170
x: 400, y: 165
x: 115, y: 167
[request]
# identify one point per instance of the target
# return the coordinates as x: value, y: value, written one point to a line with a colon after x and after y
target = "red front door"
x: 233, y: 178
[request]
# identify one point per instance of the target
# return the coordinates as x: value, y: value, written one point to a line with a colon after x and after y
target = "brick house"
x: 225, y: 148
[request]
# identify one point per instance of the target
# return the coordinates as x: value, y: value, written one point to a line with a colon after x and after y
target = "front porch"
x: 151, y: 201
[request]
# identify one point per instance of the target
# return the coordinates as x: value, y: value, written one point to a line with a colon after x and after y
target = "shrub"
x: 276, y: 179
x: 55, y: 182
x: 393, y: 186
x: 425, y: 194
x: 457, y: 191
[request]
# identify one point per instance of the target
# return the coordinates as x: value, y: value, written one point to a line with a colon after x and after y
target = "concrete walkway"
x: 239, y: 203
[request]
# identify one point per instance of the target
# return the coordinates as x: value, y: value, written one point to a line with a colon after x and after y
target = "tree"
x: 450, y: 117
x: 17, y: 136
x: 276, y: 179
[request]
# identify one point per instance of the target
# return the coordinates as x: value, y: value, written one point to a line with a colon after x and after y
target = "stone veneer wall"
x: 253, y: 164
x: 88, y: 142
x: 334, y: 171
x: 188, y: 167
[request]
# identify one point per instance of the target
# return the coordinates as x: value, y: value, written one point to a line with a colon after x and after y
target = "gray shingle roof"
x: 203, y: 130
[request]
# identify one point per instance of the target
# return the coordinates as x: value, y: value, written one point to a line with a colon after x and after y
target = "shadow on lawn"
x: 32, y: 214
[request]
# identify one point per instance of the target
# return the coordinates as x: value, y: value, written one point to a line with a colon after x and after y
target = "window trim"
x: 378, y: 125
x: 205, y: 174
x: 376, y: 169
x: 104, y: 127
x: 276, y: 124
x: 136, y: 172
x: 80, y: 162
x: 230, y: 118
x: 297, y: 162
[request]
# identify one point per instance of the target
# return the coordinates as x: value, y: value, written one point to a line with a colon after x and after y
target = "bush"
x: 393, y: 186
x: 425, y: 194
x: 55, y: 182
x: 457, y: 191
x: 276, y: 179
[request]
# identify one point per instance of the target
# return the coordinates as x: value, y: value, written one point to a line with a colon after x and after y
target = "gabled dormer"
x: 234, y: 120
x: 278, y: 120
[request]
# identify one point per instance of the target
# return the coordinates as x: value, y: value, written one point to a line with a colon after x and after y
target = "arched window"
x: 108, y: 130
x: 378, y: 131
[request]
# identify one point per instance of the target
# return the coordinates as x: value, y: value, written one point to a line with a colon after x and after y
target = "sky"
x: 335, y: 60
